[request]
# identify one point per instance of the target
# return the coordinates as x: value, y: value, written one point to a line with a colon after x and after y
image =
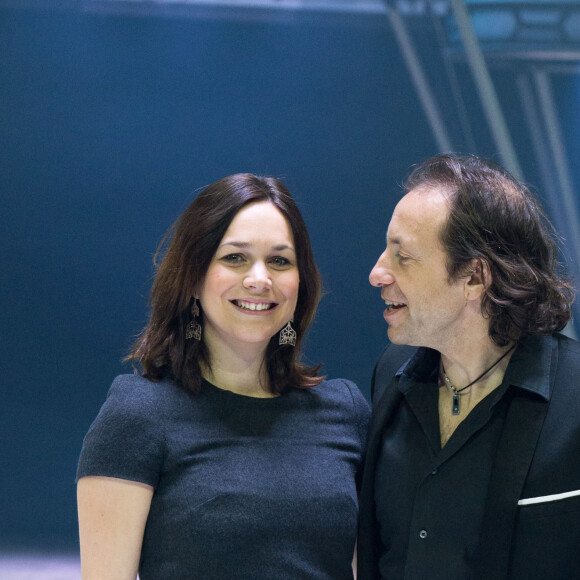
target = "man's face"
x: 423, y: 307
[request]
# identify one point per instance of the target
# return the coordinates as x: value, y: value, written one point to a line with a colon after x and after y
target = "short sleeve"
x: 126, y: 440
x: 362, y: 411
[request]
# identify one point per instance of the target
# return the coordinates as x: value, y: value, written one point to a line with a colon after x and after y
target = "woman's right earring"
x: 193, y: 329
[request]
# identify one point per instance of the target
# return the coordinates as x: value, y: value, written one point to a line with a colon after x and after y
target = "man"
x: 473, y: 461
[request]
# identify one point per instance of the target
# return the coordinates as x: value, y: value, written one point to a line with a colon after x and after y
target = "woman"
x: 227, y: 458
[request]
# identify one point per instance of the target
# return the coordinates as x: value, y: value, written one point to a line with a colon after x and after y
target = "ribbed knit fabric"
x: 245, y: 488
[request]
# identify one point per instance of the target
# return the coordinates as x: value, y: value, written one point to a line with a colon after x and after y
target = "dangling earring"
x: 193, y: 329
x: 287, y: 335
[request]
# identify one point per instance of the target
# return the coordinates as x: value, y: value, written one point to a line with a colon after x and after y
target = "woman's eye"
x: 279, y: 261
x: 233, y: 258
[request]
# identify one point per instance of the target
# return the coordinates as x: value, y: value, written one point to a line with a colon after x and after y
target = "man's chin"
x: 395, y: 337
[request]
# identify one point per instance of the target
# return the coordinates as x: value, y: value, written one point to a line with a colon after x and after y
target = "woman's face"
x: 251, y: 286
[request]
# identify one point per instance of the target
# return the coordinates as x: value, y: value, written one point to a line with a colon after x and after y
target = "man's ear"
x: 477, y: 280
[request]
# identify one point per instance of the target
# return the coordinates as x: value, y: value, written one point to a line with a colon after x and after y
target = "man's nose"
x: 381, y: 274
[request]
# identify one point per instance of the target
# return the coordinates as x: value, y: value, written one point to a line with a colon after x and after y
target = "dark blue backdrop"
x: 110, y: 124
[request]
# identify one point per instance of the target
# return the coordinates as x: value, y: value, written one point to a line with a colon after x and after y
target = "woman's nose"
x: 258, y: 278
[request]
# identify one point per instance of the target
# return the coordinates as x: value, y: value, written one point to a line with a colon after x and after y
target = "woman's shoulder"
x: 128, y: 437
x: 344, y: 401
x: 136, y: 405
x: 342, y: 390
x: 135, y: 392
x: 338, y: 386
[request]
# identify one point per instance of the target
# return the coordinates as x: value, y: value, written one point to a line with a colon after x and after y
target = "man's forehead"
x: 419, y: 212
x: 428, y: 192
x: 423, y: 204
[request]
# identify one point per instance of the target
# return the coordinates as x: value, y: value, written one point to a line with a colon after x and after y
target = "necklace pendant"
x: 455, y: 404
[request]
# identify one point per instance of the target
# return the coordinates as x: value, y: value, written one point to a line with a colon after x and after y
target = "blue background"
x: 110, y: 125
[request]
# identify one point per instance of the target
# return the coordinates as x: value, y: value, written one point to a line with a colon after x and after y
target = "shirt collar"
x: 529, y: 367
x: 422, y: 367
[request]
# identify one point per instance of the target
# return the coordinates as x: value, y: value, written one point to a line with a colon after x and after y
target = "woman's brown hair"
x: 161, y: 349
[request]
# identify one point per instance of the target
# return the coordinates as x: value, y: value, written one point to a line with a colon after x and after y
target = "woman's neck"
x: 243, y: 382
x: 242, y: 372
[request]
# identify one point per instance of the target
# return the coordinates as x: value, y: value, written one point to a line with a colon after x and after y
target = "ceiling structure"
x: 535, y: 40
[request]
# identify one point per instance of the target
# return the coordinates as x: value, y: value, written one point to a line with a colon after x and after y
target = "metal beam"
x: 552, y: 126
x: 345, y: 6
x: 486, y: 90
x: 419, y: 79
x: 550, y: 169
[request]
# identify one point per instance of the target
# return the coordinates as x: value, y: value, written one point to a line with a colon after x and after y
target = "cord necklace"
x: 455, y: 403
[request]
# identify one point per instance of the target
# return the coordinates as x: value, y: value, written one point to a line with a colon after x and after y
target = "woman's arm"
x: 112, y: 517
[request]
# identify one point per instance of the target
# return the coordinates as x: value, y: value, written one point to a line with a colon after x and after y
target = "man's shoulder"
x: 567, y: 343
x: 393, y: 357
x: 568, y: 355
x: 389, y: 362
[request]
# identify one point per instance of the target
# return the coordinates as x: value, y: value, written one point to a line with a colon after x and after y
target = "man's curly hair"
x: 495, y: 219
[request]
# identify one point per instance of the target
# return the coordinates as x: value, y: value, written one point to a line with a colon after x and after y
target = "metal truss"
x: 534, y: 38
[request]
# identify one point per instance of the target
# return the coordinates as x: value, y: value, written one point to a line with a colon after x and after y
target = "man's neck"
x: 470, y: 361
x: 482, y: 364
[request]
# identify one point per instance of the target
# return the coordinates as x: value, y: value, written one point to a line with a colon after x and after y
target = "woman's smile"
x: 253, y: 305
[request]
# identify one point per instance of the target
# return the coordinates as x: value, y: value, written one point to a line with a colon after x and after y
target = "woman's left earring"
x: 193, y: 329
x: 287, y: 335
